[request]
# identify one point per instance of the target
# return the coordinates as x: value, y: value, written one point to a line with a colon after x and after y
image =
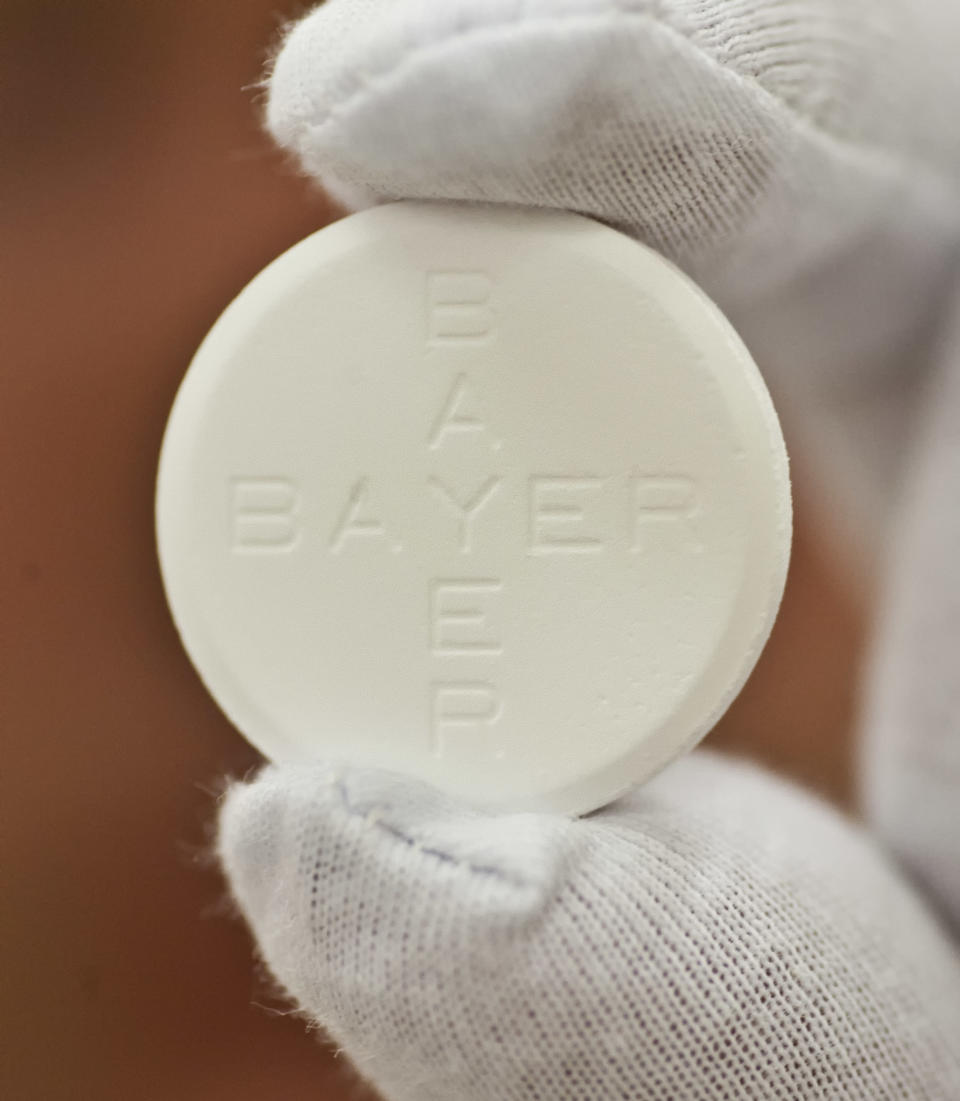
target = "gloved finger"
x: 719, y: 934
x: 749, y: 141
x: 912, y: 728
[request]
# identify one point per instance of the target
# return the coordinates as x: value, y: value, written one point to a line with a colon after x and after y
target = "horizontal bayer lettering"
x: 556, y: 514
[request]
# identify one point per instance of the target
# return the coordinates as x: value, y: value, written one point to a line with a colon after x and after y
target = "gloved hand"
x: 718, y: 934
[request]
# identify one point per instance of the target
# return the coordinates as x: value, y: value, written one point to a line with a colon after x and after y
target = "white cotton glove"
x: 718, y: 934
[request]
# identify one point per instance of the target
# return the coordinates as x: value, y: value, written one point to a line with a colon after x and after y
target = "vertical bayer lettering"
x: 462, y: 612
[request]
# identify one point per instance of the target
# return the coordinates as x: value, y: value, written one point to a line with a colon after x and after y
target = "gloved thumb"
x: 718, y: 933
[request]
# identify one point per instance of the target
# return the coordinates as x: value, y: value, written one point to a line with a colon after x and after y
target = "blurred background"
x: 137, y: 196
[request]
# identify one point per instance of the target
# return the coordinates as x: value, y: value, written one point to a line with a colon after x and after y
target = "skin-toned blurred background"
x: 137, y: 196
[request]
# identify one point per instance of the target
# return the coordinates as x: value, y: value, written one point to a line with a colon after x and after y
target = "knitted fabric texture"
x: 911, y: 759
x: 717, y: 935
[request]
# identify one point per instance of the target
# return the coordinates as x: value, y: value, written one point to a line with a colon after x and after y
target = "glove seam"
x: 372, y: 819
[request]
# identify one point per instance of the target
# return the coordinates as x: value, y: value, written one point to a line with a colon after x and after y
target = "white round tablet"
x: 493, y: 497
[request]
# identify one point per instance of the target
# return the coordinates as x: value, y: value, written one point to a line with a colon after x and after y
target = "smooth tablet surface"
x: 492, y: 497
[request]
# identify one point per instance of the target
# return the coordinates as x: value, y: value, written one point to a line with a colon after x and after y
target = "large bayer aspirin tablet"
x: 492, y: 497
